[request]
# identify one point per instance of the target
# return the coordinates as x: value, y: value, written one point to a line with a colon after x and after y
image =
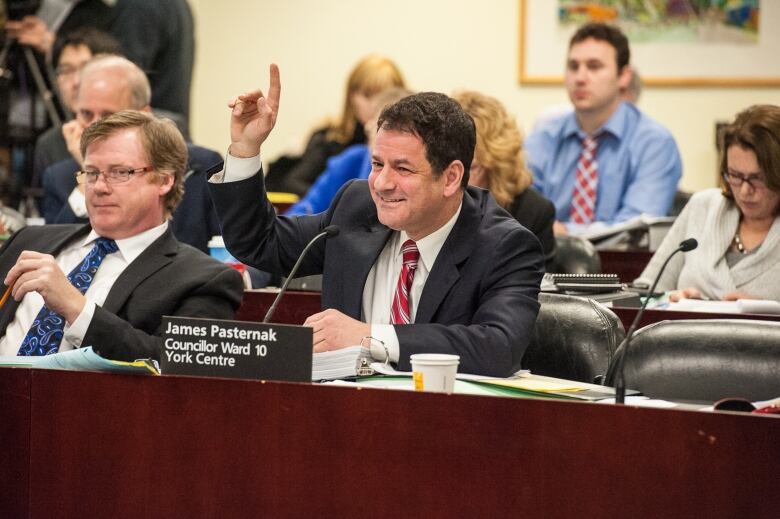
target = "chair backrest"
x: 704, y: 360
x: 575, y: 255
x: 574, y: 338
x: 678, y: 204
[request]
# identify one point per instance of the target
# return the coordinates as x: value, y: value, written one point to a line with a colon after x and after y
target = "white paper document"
x: 740, y: 306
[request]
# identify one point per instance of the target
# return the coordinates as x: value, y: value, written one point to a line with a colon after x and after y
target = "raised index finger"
x: 275, y: 88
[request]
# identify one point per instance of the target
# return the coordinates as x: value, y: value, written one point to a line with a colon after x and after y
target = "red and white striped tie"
x: 399, y: 312
x: 583, y: 202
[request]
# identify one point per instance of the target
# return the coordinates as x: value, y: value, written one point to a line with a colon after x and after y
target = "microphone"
x: 620, y: 382
x: 330, y: 231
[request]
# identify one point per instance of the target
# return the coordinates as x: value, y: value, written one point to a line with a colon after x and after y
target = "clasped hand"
x: 36, y: 272
x: 695, y: 293
x: 253, y: 117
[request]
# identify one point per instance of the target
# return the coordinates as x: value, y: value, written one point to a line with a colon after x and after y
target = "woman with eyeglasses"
x: 737, y: 226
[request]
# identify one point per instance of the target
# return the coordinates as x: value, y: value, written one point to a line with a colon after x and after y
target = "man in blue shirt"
x: 607, y: 161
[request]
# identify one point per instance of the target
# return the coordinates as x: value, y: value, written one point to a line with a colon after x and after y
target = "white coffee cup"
x: 434, y: 371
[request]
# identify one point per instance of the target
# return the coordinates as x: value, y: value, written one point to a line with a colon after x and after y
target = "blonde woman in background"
x: 499, y: 167
x: 372, y: 75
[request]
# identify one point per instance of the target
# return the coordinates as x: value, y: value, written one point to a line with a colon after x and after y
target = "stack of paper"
x: 343, y: 363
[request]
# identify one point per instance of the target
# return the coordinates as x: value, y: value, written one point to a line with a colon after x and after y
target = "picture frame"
x: 693, y: 63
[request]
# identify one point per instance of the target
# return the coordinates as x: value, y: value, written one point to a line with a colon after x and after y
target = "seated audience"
x: 423, y: 262
x: 370, y: 76
x: 499, y: 167
x: 109, y: 84
x: 127, y: 270
x: 737, y: 226
x: 352, y: 163
x: 70, y: 54
x: 606, y: 162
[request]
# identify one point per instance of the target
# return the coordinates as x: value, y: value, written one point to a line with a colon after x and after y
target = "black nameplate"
x: 235, y: 349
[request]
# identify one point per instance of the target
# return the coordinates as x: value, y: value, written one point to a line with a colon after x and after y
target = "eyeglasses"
x: 111, y: 176
x: 736, y: 180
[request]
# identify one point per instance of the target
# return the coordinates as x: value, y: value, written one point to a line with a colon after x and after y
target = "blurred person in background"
x: 500, y: 168
x: 371, y: 75
x: 737, y: 226
x: 352, y: 163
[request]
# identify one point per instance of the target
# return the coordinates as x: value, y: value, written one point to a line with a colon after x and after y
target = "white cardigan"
x: 712, y: 219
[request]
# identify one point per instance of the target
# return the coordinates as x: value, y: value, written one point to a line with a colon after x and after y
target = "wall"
x: 439, y: 44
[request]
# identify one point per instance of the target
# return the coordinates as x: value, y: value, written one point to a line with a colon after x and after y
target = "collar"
x: 615, y: 125
x: 431, y: 245
x: 132, y: 247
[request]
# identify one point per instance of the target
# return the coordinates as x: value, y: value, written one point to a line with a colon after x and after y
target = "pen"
x: 5, y: 295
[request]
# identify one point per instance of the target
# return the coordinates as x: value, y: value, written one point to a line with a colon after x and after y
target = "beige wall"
x: 439, y: 44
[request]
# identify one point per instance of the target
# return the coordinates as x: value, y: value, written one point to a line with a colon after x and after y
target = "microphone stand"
x: 329, y: 231
x: 620, y: 381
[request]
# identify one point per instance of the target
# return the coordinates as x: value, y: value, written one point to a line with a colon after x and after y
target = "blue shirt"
x: 353, y: 162
x: 638, y: 162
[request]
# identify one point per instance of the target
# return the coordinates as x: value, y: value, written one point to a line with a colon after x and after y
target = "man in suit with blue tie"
x: 423, y: 263
x: 127, y: 270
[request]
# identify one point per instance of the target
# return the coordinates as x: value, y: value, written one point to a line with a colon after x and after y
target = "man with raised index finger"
x: 422, y: 263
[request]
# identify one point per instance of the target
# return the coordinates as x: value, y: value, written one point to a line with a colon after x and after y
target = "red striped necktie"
x: 583, y: 203
x: 399, y: 312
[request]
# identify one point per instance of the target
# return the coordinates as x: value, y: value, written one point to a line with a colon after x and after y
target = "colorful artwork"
x: 670, y: 21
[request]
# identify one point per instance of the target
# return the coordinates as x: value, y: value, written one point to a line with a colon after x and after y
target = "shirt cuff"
x: 386, y: 334
x: 75, y: 332
x: 78, y: 203
x: 236, y: 169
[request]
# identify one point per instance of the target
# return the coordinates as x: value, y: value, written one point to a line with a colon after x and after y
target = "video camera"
x: 18, y: 9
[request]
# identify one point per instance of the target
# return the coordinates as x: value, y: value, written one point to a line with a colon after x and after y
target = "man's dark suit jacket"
x: 194, y: 221
x: 50, y: 148
x: 168, y: 278
x: 480, y: 299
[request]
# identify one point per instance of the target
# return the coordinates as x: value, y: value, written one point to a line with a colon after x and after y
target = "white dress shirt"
x: 382, y: 279
x: 112, y: 266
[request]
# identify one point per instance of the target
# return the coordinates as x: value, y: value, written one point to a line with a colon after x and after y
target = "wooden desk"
x: 627, y: 264
x: 100, y: 445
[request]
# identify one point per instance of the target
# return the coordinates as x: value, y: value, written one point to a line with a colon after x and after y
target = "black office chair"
x: 574, y: 338
x: 575, y: 255
x: 704, y: 360
x: 680, y: 201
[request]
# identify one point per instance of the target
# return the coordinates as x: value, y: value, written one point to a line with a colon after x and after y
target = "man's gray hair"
x: 138, y: 83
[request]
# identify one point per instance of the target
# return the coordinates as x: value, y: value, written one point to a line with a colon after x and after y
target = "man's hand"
x: 733, y: 296
x: 334, y: 330
x: 71, y: 132
x: 31, y: 31
x: 36, y: 272
x: 685, y: 293
x: 559, y: 229
x: 253, y: 118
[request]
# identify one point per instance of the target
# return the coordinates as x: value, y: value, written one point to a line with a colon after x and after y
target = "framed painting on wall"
x: 673, y: 42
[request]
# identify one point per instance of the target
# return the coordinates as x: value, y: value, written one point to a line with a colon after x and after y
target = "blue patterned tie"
x: 46, y: 331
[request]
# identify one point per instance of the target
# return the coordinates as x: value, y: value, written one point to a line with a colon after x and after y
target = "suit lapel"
x: 446, y: 272
x: 371, y: 242
x: 156, y: 256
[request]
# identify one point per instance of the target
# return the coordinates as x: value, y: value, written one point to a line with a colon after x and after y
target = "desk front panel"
x: 108, y: 445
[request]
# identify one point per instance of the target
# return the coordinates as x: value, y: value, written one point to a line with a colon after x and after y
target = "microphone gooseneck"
x: 329, y: 232
x: 620, y: 382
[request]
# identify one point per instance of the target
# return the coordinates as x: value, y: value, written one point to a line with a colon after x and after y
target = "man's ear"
x: 624, y: 78
x: 453, y: 175
x: 147, y: 109
x: 165, y: 183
